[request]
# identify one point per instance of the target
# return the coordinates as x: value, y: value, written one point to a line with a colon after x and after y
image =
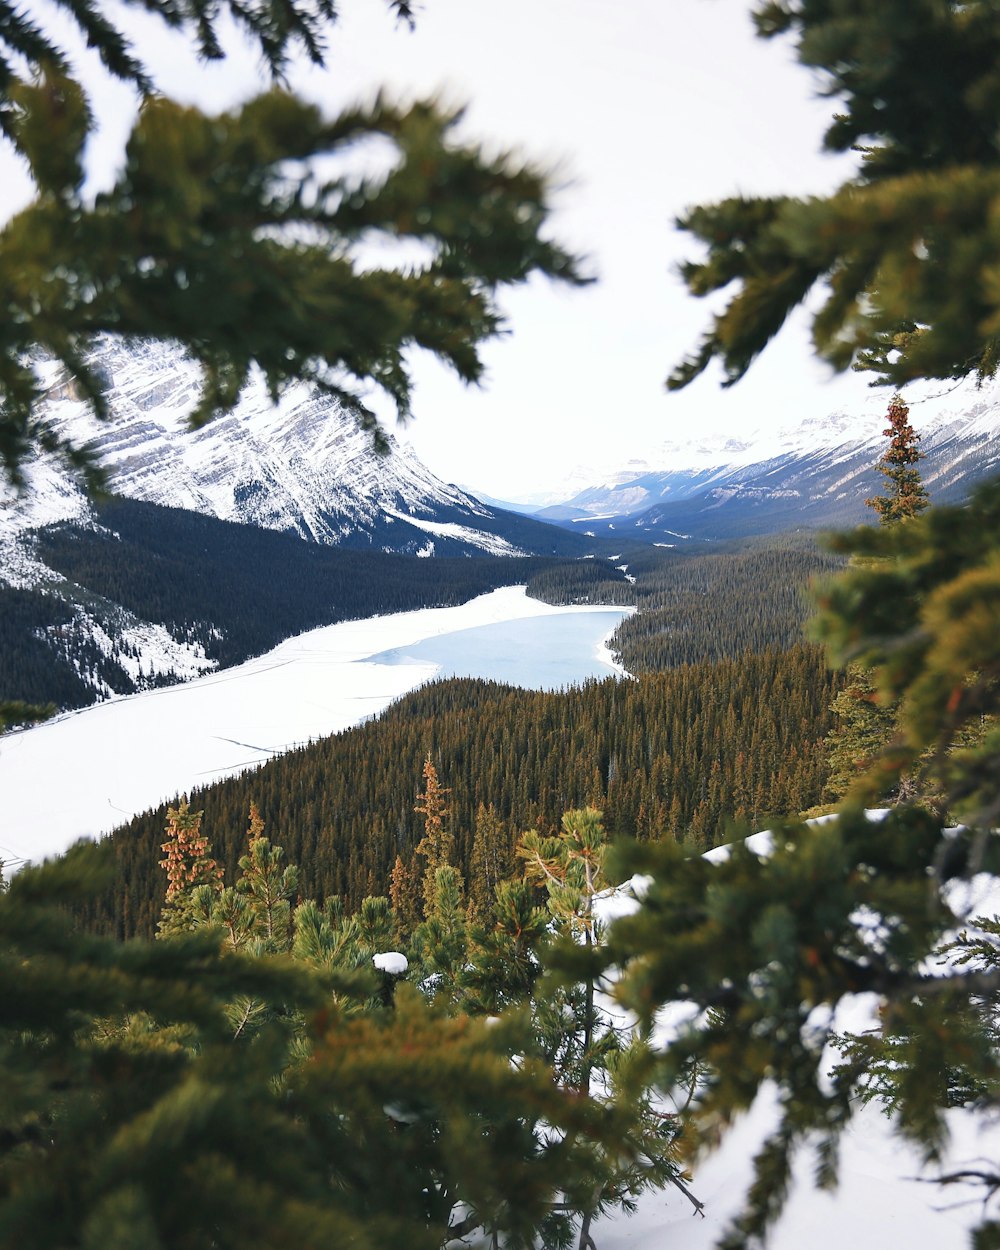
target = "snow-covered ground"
x: 880, y: 1204
x: 87, y: 772
x: 886, y: 1200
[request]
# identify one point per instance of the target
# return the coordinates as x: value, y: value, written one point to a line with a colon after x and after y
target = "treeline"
x: 694, y: 606
x: 236, y: 590
x: 679, y: 754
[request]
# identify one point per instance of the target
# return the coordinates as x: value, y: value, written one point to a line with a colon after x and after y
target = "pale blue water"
x: 538, y: 653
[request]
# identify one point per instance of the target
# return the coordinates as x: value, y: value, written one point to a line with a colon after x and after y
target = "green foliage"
x: 129, y: 1077
x: 906, y: 247
x: 491, y: 859
x: 589, y: 1049
x: 14, y: 713
x: 267, y: 888
x: 437, y: 844
x: 768, y: 947
x: 920, y: 611
x: 863, y: 729
x: 693, y: 608
x: 764, y: 948
x: 224, y: 235
x: 193, y: 876
x: 439, y: 944
x: 503, y: 962
x: 275, y: 29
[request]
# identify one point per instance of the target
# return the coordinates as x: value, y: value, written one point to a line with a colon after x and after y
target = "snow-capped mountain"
x: 301, y: 466
x: 270, y: 520
x: 817, y: 474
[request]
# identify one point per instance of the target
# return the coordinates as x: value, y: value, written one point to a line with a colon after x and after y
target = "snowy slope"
x: 886, y: 1196
x: 301, y: 466
x: 127, y: 755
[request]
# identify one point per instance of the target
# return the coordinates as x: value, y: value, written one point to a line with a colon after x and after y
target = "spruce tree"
x: 864, y: 728
x: 903, y: 250
x: 907, y: 496
x: 859, y: 742
x: 437, y: 844
x: 193, y: 876
x: 588, y: 1050
x: 766, y: 947
x: 404, y: 897
x: 137, y: 1109
x: 490, y: 861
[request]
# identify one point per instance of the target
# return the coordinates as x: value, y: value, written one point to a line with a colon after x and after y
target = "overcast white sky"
x: 641, y: 108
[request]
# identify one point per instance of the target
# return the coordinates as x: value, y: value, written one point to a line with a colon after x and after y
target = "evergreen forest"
x: 703, y: 603
x: 687, y: 754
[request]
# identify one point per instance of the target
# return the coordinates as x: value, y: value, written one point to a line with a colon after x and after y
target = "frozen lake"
x: 87, y: 772
x: 538, y: 652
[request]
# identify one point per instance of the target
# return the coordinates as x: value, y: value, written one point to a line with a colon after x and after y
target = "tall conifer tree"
x: 437, y: 844
x: 906, y: 494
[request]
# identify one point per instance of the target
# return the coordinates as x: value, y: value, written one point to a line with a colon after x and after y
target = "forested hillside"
x: 692, y: 606
x: 678, y: 754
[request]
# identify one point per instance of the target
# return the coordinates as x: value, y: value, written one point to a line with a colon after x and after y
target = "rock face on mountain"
x: 815, y: 476
x: 300, y: 466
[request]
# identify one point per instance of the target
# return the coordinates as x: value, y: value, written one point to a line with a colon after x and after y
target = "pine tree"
x: 864, y: 728
x: 503, y: 959
x: 859, y: 743
x: 439, y: 946
x: 135, y: 1111
x: 491, y: 860
x: 900, y: 298
x: 215, y: 236
x: 586, y: 1049
x: 766, y: 949
x: 403, y: 897
x: 268, y: 886
x: 907, y: 495
x: 437, y: 844
x: 192, y: 873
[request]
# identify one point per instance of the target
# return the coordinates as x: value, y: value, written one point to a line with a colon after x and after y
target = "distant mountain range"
x: 816, y: 476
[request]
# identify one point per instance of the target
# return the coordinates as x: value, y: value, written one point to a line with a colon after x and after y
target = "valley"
x: 301, y: 670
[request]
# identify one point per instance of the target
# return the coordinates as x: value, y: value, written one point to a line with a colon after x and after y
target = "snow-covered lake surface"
x: 87, y: 772
x: 538, y: 653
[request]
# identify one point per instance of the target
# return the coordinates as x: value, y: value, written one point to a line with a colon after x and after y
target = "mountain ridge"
x: 299, y: 465
x: 816, y: 476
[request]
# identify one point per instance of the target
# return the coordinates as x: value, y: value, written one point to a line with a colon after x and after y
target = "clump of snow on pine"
x: 392, y: 962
